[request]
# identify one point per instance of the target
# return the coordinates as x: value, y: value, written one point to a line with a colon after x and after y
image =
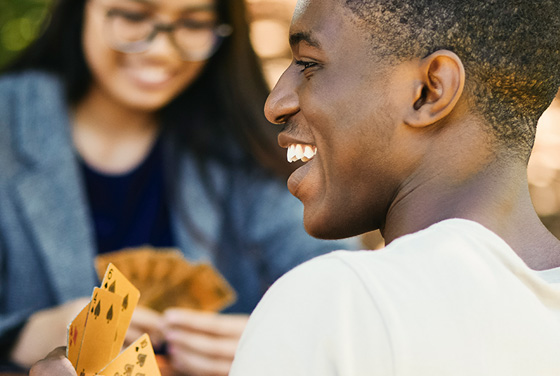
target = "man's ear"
x: 437, y: 89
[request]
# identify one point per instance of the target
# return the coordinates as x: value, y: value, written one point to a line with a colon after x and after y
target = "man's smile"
x: 302, y: 152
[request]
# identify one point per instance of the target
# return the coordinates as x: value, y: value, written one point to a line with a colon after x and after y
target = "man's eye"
x: 128, y: 15
x: 305, y: 64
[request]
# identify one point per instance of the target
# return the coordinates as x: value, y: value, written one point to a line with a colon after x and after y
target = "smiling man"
x: 417, y: 118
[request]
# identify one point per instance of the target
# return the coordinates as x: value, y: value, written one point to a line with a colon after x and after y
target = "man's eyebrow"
x: 296, y: 38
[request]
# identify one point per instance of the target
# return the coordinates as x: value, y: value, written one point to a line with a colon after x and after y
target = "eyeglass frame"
x: 220, y: 31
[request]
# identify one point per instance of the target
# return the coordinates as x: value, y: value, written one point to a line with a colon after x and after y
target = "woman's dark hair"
x: 224, y: 104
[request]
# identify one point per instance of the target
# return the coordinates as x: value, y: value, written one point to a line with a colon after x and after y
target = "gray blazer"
x: 47, y: 247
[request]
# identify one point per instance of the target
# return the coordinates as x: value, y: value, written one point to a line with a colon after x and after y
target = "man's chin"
x: 328, y: 230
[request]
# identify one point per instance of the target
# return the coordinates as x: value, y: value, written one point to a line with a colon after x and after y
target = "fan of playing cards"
x: 96, y: 335
x: 166, y: 279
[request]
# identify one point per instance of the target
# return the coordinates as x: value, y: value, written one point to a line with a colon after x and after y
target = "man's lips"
x: 298, y: 148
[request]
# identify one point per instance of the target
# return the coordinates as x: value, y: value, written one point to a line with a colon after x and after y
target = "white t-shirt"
x: 453, y: 299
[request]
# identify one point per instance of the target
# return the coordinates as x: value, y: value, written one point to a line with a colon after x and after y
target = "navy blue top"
x: 130, y: 209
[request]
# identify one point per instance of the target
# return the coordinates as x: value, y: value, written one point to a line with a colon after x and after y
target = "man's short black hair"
x: 510, y: 50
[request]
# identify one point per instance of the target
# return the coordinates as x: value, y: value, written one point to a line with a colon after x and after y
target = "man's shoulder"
x: 445, y: 251
x: 438, y: 238
x: 447, y: 230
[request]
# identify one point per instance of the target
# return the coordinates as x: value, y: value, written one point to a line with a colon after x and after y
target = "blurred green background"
x: 20, y: 22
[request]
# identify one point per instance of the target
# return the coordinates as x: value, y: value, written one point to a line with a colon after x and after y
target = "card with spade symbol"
x: 114, y: 281
x: 100, y: 331
x: 136, y: 359
x: 96, y: 335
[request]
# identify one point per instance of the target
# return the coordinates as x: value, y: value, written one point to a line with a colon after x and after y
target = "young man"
x: 418, y: 118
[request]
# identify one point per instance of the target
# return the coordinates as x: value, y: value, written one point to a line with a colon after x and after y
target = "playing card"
x: 136, y: 359
x: 100, y: 331
x: 210, y: 289
x: 141, y: 267
x: 75, y: 335
x: 121, y: 259
x: 177, y: 296
x: 166, y: 279
x: 165, y: 264
x: 204, y: 289
x: 160, y: 266
x: 181, y: 270
x: 169, y: 269
x: 114, y: 281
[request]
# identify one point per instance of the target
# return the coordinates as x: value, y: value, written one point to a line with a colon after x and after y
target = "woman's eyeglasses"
x: 133, y: 32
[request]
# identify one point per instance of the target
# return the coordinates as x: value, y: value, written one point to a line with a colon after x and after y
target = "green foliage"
x: 20, y: 23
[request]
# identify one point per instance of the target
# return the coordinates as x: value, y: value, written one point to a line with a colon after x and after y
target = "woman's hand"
x: 55, y: 364
x: 145, y: 320
x: 201, y: 343
x: 44, y: 331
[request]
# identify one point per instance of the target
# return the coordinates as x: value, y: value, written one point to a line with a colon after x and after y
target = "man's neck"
x: 497, y: 198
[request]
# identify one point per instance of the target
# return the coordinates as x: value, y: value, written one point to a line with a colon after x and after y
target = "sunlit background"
x: 20, y: 23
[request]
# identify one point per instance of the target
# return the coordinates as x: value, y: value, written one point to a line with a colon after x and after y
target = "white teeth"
x: 292, y: 153
x: 296, y: 152
x: 309, y: 152
x: 153, y: 75
x: 299, y: 151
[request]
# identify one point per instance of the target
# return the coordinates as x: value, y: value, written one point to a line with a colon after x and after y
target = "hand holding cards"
x: 166, y: 279
x: 96, y: 335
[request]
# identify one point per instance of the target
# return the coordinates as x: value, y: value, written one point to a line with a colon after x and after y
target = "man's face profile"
x: 338, y: 102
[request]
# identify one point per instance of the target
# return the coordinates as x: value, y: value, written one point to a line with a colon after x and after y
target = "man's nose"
x: 283, y: 102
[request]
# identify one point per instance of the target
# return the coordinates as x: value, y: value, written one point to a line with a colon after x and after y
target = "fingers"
x: 146, y: 317
x: 145, y: 320
x: 202, y: 344
x: 193, y: 364
x: 195, y: 355
x: 55, y: 364
x: 225, y: 325
x: 58, y: 353
x: 132, y: 334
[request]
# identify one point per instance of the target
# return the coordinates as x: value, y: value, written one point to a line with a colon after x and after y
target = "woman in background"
x: 132, y: 122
